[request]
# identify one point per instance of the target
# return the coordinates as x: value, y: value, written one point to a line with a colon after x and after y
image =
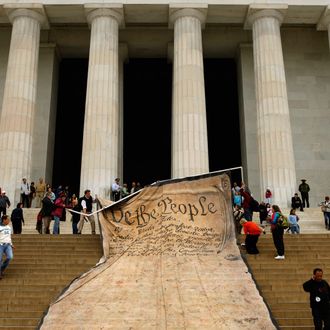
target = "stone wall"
x: 307, y: 68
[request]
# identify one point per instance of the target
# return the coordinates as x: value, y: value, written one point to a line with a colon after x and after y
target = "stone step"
x: 280, y: 281
x: 22, y: 314
x: 42, y: 267
x: 19, y: 321
x: 311, y: 220
x: 295, y: 321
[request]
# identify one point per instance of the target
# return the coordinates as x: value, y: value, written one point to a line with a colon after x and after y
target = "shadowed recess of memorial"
x: 70, y: 122
x: 147, y: 120
x: 222, y: 115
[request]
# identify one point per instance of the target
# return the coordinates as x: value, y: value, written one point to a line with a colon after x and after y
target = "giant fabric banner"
x: 187, y: 217
x: 170, y: 262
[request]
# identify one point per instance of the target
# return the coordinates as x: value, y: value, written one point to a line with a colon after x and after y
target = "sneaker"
x: 279, y: 258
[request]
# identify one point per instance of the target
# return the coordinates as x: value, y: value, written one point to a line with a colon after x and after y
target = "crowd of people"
x: 54, y: 203
x: 121, y: 191
x: 269, y: 214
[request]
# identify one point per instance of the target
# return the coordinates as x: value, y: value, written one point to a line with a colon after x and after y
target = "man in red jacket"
x: 58, y: 213
x: 252, y: 232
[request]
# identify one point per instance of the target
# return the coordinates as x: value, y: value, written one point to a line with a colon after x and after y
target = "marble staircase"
x: 311, y: 220
x: 280, y: 281
x: 42, y: 267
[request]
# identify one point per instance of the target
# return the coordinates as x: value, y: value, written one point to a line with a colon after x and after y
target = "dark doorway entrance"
x: 222, y: 115
x: 70, y: 123
x: 147, y: 120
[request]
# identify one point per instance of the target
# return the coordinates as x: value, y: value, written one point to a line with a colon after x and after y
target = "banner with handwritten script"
x: 184, y: 217
x: 171, y: 262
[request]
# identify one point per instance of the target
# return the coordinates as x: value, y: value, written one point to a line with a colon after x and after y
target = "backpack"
x: 283, y: 221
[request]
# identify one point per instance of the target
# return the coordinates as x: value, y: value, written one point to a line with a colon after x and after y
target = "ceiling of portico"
x: 146, y: 30
x: 297, y: 13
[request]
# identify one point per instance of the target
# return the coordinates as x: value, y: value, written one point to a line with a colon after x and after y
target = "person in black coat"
x: 319, y: 291
x: 17, y: 218
x: 296, y: 202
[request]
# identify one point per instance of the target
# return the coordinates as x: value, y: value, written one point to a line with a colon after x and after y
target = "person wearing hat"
x: 4, y: 203
x: 304, y: 191
x: 252, y: 232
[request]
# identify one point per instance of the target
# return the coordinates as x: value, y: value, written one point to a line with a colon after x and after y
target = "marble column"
x: 19, y: 100
x: 189, y: 129
x: 123, y: 55
x: 276, y: 158
x: 324, y: 23
x: 99, y: 165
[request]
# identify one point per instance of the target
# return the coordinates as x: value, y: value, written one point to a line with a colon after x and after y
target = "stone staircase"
x: 311, y: 220
x: 280, y: 281
x: 42, y: 267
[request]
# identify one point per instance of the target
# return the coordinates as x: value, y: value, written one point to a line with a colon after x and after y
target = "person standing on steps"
x: 4, y: 203
x: 17, y: 218
x: 46, y: 212
x: 296, y: 203
x: 325, y: 208
x: 58, y: 212
x: 6, y: 245
x: 319, y: 297
x: 40, y: 192
x: 304, y: 191
x: 25, y: 192
x: 277, y: 232
x: 86, y: 206
x: 115, y: 190
x: 252, y: 232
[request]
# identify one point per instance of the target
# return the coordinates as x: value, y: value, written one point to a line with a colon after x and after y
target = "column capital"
x: 35, y: 11
x: 324, y: 21
x: 94, y: 10
x: 257, y: 11
x: 198, y: 11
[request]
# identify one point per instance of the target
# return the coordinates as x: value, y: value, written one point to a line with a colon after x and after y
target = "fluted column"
x: 189, y: 129
x: 324, y: 23
x: 19, y: 100
x: 99, y: 164
x: 276, y: 158
x: 123, y: 54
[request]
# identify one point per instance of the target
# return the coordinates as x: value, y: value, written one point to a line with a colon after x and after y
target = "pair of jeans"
x: 56, y: 228
x: 294, y: 229
x: 327, y: 219
x: 7, y: 250
x: 74, y: 228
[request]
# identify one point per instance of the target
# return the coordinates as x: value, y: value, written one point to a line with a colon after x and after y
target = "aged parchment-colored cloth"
x: 171, y: 262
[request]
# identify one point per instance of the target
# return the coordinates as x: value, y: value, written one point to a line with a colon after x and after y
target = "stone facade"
x: 284, y: 122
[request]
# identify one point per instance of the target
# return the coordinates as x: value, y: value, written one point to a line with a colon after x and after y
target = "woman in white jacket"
x: 325, y: 208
